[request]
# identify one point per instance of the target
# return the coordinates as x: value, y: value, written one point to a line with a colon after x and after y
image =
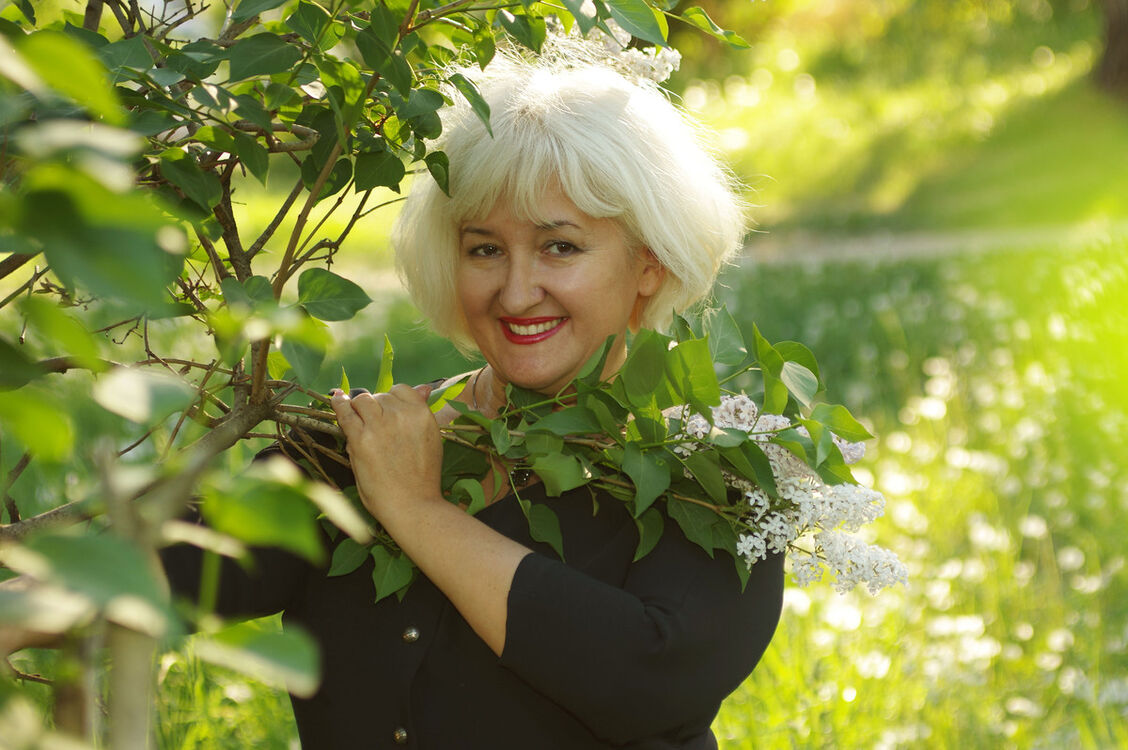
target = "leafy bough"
x: 738, y: 475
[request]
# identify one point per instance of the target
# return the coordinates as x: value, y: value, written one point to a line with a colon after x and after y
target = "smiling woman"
x: 585, y: 209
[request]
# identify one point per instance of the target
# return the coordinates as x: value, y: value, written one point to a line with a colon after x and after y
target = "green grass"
x: 994, y: 385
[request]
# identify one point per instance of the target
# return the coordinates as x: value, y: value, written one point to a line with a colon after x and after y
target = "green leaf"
x: 420, y: 102
x: 70, y: 68
x: 181, y: 169
x: 726, y: 342
x: 286, y: 659
x: 252, y: 154
x: 560, y: 473
x: 108, y: 570
x: 304, y: 358
x: 800, y: 381
x: 695, y: 522
x: 347, y: 557
x: 750, y: 462
x: 692, y: 375
x: 544, y: 526
x: 386, y: 379
x: 528, y: 30
x: 500, y: 436
x: 16, y: 369
x: 378, y: 169
x: 125, y: 57
x: 338, y: 177
x: 650, y: 527
x: 327, y: 296
x: 470, y: 492
x: 771, y: 369
x: 441, y: 396
x: 586, y: 22
x: 381, y: 55
x: 697, y: 17
x: 572, y: 420
x: 142, y: 396
x: 266, y: 506
x: 343, y: 514
x: 250, y: 8
x: 484, y: 46
x: 439, y: 166
x: 650, y: 472
x: 642, y: 21
x: 642, y: 373
x: 707, y: 470
x: 44, y: 610
x: 841, y: 422
x: 467, y: 88
x: 344, y: 380
x: 250, y: 108
x: 391, y: 573
x: 793, y: 351
x: 262, y: 54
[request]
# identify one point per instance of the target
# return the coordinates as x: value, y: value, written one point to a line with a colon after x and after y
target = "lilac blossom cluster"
x: 822, y: 517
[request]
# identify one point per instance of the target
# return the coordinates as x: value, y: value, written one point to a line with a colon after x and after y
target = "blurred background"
x: 940, y: 191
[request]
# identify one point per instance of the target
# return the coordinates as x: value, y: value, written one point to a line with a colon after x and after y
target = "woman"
x: 591, y: 211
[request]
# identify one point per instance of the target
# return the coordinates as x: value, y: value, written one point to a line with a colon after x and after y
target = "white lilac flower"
x: 853, y: 562
x: 806, y: 568
x: 737, y: 412
x: 752, y: 547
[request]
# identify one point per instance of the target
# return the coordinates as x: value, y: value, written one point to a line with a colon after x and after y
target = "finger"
x: 424, y: 390
x: 347, y: 416
x: 403, y: 392
x: 368, y: 405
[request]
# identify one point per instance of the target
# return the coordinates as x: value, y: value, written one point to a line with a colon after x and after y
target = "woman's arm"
x: 657, y: 654
x: 396, y: 453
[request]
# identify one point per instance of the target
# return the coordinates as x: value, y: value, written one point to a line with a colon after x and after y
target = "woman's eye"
x: 562, y: 248
x: 484, y: 251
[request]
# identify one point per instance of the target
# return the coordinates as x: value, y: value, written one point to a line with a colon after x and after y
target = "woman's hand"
x: 396, y: 453
x: 394, y: 446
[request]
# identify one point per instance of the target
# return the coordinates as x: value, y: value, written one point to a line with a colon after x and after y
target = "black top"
x: 599, y: 652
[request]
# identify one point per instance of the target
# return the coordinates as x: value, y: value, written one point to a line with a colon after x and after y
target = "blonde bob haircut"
x: 617, y: 149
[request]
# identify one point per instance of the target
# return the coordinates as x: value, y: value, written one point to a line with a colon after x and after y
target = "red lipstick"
x: 530, y: 338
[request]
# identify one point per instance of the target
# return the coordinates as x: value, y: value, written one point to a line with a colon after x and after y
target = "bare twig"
x: 24, y: 287
x: 13, y: 475
x: 307, y: 423
x: 276, y: 221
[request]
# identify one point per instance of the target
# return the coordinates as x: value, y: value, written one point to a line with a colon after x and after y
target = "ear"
x: 653, y: 274
x: 650, y: 280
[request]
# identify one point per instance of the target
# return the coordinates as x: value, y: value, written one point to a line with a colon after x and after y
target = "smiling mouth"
x: 530, y: 330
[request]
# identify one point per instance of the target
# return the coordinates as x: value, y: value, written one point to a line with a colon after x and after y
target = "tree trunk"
x: 1112, y: 71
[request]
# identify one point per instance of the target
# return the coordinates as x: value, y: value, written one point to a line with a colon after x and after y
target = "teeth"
x: 533, y: 329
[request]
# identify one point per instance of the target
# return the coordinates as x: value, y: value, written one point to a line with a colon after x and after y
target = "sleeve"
x: 658, y: 654
x: 265, y: 587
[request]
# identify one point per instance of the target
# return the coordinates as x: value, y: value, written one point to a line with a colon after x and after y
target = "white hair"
x: 617, y: 149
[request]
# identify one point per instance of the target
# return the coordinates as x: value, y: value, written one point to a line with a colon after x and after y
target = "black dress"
x: 599, y: 652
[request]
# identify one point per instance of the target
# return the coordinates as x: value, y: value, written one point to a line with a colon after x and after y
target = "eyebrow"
x: 543, y: 226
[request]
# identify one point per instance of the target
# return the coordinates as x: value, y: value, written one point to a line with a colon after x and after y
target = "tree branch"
x: 13, y: 262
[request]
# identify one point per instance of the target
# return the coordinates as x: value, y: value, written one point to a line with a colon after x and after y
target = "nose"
x: 521, y: 289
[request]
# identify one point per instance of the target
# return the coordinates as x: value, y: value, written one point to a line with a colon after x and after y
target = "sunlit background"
x: 941, y: 198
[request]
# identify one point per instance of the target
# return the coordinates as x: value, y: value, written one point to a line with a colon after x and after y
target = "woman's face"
x: 540, y: 299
